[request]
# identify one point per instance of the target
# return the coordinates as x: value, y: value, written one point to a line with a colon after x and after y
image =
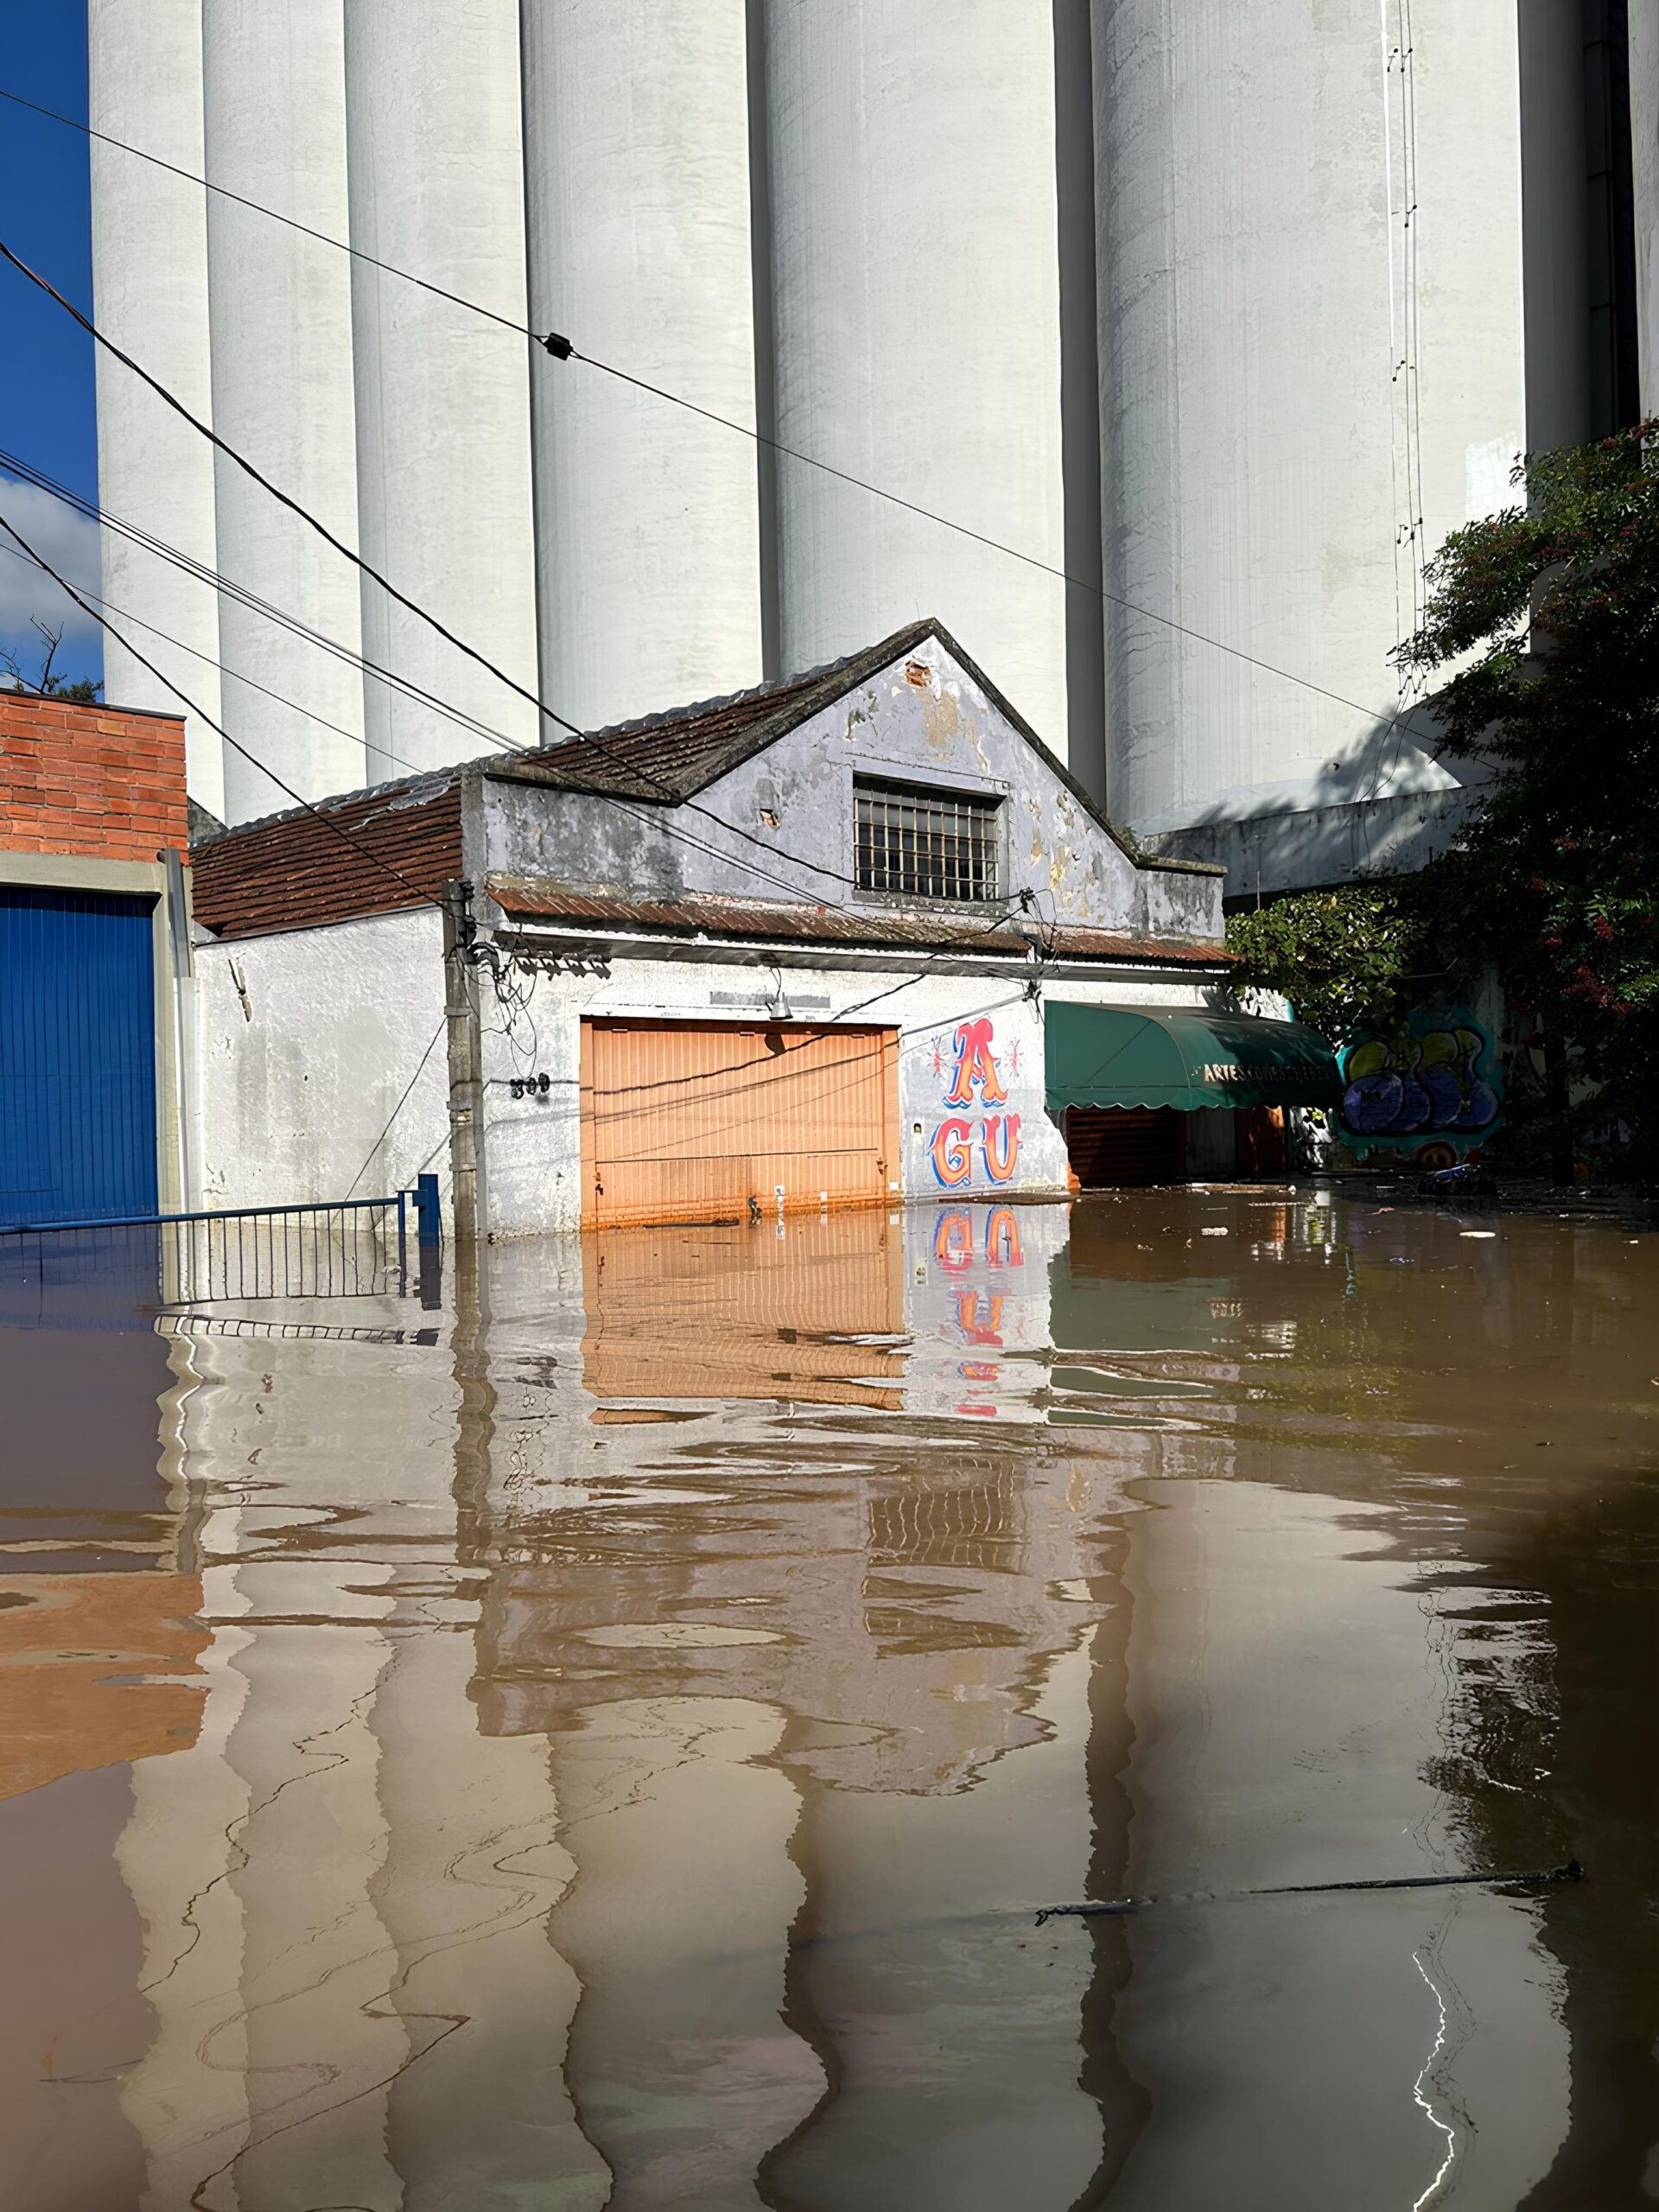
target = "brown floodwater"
x: 605, y: 1744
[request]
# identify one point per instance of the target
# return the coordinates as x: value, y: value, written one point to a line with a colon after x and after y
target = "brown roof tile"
x: 528, y: 901
x: 374, y: 853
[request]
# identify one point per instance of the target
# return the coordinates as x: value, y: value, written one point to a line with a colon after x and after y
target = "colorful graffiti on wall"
x: 1434, y: 1095
x: 976, y: 1079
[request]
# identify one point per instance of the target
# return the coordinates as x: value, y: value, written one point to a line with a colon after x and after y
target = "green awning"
x: 1182, y: 1057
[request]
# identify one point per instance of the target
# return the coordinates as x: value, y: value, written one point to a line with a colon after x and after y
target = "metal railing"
x: 342, y: 1248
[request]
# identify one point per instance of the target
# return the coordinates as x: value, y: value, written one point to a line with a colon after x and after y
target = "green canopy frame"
x: 1184, y: 1056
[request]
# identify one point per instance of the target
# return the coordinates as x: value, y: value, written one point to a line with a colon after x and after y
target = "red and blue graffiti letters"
x: 1002, y: 1145
x: 975, y: 1065
x: 953, y: 1162
x: 976, y: 1079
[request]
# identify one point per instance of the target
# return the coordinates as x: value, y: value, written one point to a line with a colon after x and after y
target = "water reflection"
x: 604, y: 1754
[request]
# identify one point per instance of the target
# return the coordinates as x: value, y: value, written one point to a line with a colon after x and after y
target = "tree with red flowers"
x: 1557, y: 877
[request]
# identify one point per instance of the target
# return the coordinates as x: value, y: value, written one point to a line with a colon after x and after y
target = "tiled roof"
x: 765, y: 920
x: 374, y: 853
x: 672, y: 756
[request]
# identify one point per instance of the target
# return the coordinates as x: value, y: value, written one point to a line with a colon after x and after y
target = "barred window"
x: 932, y: 844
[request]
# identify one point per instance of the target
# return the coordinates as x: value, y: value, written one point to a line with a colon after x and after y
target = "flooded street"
x: 606, y: 1742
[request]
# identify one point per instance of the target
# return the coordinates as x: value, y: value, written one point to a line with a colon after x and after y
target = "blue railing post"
x: 428, y: 1231
x: 403, y: 1244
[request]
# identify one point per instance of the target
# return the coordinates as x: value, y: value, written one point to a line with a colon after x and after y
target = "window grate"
x: 928, y: 844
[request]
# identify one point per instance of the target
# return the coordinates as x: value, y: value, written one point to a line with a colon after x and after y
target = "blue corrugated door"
x: 76, y: 1056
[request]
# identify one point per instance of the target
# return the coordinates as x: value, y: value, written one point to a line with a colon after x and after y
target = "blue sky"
x: 46, y: 363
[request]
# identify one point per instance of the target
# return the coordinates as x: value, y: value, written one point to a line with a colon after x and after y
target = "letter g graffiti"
x: 953, y: 1160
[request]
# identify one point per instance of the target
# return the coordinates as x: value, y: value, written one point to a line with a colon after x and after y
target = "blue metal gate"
x: 76, y: 1056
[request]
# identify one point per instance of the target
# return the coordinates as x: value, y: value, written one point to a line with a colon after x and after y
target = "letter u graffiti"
x: 1000, y: 1144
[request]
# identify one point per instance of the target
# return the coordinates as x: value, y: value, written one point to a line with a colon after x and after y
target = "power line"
x: 407, y: 689
x: 564, y: 349
x: 283, y: 499
x: 230, y: 674
x: 328, y: 822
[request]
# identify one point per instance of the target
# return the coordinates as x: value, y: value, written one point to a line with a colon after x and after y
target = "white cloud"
x: 61, y: 536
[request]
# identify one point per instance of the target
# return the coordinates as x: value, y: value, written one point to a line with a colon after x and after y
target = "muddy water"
x: 602, y: 1745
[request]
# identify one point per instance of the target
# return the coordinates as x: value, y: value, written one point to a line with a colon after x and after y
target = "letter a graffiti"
x: 974, y: 1064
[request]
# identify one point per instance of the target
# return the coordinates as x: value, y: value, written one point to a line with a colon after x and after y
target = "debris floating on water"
x: 1117, y: 1908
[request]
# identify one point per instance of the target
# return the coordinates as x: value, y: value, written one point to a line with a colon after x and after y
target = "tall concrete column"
x: 149, y: 282
x: 638, y: 181
x: 442, y: 395
x: 1312, y: 368
x: 282, y: 393
x: 1645, y: 166
x: 915, y: 280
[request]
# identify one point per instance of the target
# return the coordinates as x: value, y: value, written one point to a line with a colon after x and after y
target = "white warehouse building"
x: 1154, y: 345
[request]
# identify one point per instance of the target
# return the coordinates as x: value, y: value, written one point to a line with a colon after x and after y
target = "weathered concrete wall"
x: 797, y: 798
x: 1306, y: 849
x: 532, y: 1146
x: 307, y: 1041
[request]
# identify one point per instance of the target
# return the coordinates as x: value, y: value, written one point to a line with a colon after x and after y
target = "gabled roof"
x: 671, y: 758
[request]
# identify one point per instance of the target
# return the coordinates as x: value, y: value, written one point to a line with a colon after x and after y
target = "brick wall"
x: 94, y: 781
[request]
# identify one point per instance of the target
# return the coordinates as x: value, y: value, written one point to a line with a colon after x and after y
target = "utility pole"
x: 465, y: 1064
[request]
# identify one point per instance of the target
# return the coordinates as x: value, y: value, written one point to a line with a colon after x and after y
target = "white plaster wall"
x: 442, y: 395
x: 150, y: 288
x: 532, y: 1146
x: 298, y: 1078
x: 915, y: 272
x: 637, y: 182
x: 1302, y: 393
x: 275, y: 80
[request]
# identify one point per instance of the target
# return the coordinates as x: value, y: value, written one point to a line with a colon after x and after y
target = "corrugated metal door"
x: 688, y: 1122
x: 1125, y: 1144
x: 76, y: 1056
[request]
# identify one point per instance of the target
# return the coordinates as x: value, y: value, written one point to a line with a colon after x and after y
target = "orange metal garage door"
x: 684, y: 1122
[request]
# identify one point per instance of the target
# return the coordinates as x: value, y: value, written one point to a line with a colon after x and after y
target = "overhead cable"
x: 189, y: 704
x: 564, y: 349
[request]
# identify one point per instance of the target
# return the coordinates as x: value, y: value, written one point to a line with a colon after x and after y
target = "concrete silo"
x: 910, y: 182
x: 637, y: 183
x: 443, y: 396
x: 281, y: 312
x: 1312, y: 368
x: 149, y: 233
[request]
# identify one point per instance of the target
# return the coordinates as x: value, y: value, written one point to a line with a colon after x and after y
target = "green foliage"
x: 1557, y: 879
x: 1349, y: 961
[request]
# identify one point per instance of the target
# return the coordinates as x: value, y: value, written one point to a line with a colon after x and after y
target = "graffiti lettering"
x: 953, y: 1160
x: 953, y: 1240
x: 970, y: 1304
x: 1432, y: 1092
x: 1002, y: 1240
x: 975, y: 1065
x: 1000, y: 1138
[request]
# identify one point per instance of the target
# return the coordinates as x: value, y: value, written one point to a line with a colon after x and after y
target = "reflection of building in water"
x: 645, y: 1810
x: 780, y: 1663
